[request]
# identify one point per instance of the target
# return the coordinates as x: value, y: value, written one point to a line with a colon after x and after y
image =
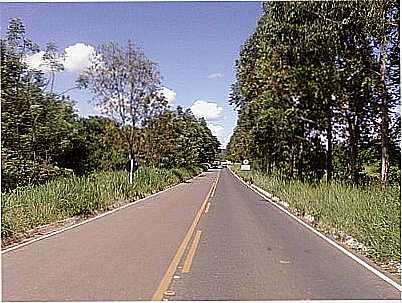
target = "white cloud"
x: 78, y: 57
x: 36, y: 62
x: 169, y: 94
x: 215, y: 76
x: 216, y: 129
x: 225, y: 141
x: 207, y: 110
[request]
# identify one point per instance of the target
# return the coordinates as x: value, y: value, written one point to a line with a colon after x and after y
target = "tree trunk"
x: 300, y: 161
x: 52, y: 81
x: 329, y: 142
x: 384, y: 125
x: 133, y: 162
x: 292, y: 161
x: 384, y: 146
x: 268, y: 161
x: 354, y: 149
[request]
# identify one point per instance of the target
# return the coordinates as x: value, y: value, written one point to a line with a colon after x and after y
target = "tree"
x: 177, y: 139
x: 126, y: 88
x: 35, y: 125
x: 309, y: 79
x: 93, y: 146
x: 52, y: 62
x: 383, y: 27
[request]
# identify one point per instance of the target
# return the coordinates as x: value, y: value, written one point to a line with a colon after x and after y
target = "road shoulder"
x: 369, y: 264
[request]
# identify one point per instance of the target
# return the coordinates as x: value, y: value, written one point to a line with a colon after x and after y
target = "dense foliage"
x: 35, y: 123
x: 42, y: 136
x: 125, y: 86
x: 317, y: 91
x: 176, y: 138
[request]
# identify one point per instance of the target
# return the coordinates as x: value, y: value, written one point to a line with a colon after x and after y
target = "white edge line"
x: 260, y: 192
x: 207, y: 208
x: 94, y: 218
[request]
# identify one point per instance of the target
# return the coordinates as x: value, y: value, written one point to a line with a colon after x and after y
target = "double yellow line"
x: 164, y: 284
x: 212, y: 193
x: 191, y: 253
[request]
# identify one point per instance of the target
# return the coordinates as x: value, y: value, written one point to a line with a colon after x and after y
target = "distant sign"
x: 245, y: 162
x: 245, y: 167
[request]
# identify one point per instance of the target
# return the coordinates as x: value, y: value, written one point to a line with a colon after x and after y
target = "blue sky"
x: 194, y: 43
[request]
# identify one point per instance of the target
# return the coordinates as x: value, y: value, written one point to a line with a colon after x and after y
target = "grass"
x: 368, y: 214
x: 28, y: 207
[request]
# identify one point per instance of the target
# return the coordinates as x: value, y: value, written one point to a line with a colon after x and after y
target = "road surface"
x: 202, y: 240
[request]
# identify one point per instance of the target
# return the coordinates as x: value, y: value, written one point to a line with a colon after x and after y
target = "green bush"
x: 17, y: 171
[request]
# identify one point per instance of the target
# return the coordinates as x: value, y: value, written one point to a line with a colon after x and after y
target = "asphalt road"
x: 230, y: 243
x: 122, y: 256
x: 250, y: 250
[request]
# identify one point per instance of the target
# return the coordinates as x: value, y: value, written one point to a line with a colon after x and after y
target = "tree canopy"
x: 43, y: 137
x: 316, y: 89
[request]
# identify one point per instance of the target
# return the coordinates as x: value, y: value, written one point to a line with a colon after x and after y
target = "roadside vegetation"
x: 29, y: 207
x: 368, y: 214
x: 56, y: 164
x: 317, y: 91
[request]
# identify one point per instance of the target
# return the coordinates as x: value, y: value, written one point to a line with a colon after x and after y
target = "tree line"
x: 43, y: 137
x: 317, y: 91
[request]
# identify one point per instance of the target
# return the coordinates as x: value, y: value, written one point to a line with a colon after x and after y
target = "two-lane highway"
x: 250, y: 250
x: 121, y: 256
x: 203, y: 240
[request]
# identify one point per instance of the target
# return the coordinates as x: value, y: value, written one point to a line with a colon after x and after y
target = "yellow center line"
x: 215, y: 184
x: 164, y: 284
x: 213, y: 192
x: 191, y: 253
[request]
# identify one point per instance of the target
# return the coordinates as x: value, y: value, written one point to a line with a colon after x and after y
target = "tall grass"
x: 370, y: 215
x: 29, y: 207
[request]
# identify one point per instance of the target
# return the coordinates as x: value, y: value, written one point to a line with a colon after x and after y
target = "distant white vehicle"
x: 216, y: 164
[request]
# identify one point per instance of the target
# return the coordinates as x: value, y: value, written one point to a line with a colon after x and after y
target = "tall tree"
x: 52, y: 62
x: 126, y: 87
x: 177, y: 138
x: 35, y: 125
x: 383, y: 26
x: 310, y: 76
